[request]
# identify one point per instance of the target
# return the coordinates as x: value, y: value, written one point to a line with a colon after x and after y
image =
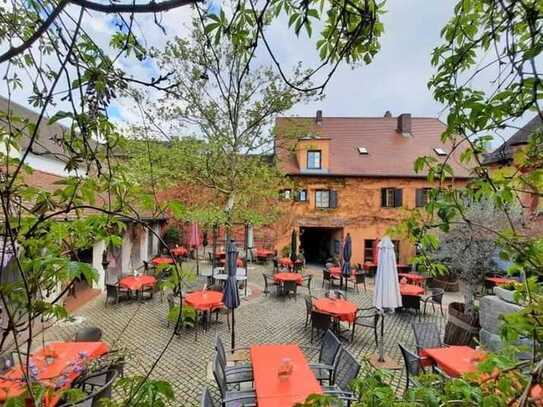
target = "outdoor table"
x: 159, y: 261
x: 413, y: 278
x: 500, y: 280
x: 135, y: 283
x: 275, y: 391
x: 411, y: 296
x: 340, y: 309
x: 204, y: 300
x: 179, y: 251
x: 263, y: 253
x: 454, y: 360
x: 282, y: 277
x: 336, y: 272
x: 68, y: 361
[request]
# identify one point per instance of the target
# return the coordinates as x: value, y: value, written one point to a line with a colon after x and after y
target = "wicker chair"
x: 241, y: 373
x: 369, y: 318
x: 329, y: 350
x: 308, y: 278
x: 116, y: 293
x: 413, y: 366
x: 426, y: 335
x: 327, y: 276
x: 290, y: 288
x: 241, y: 398
x: 219, y: 347
x: 267, y: 283
x: 320, y: 322
x: 347, y: 369
x: 358, y: 278
x: 436, y: 298
x: 308, y: 308
x: 88, y: 334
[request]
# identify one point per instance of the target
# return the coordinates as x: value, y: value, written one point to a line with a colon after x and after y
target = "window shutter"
x: 333, y: 199
x: 398, y: 198
x: 419, y: 198
x: 383, y: 197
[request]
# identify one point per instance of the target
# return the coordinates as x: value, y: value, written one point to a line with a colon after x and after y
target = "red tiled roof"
x: 390, y: 154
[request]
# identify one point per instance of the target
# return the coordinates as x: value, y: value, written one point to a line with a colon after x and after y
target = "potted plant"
x: 172, y: 236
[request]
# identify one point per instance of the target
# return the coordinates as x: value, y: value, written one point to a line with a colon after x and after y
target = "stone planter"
x: 461, y: 329
x: 505, y: 295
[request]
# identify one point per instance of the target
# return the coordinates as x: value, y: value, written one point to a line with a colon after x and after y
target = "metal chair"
x: 413, y: 366
x: 320, y: 322
x: 329, y: 350
x: 237, y: 368
x: 98, y: 393
x: 435, y: 298
x: 347, y: 369
x: 308, y: 308
x: 308, y: 278
x: 358, y: 278
x: 116, y: 293
x: 327, y: 276
x: 88, y: 334
x: 335, y: 294
x: 369, y: 318
x: 290, y: 288
x: 267, y: 283
x: 230, y: 398
x: 426, y: 335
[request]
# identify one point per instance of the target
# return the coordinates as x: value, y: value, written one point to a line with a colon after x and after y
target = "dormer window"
x: 314, y: 159
x: 362, y: 150
x: 440, y: 152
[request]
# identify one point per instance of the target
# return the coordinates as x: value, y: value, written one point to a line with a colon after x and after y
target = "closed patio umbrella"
x: 386, y: 293
x: 195, y: 242
x: 230, y: 293
x: 293, y: 246
x: 347, y: 253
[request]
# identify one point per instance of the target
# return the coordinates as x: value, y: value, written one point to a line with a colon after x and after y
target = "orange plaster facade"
x: 358, y: 211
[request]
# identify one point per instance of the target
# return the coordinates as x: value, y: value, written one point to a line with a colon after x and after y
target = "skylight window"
x: 439, y: 151
x: 362, y: 150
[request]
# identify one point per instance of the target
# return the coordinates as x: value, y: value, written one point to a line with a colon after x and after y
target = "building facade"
x: 355, y: 175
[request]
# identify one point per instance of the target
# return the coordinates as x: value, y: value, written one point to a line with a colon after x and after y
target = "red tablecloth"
x: 455, y: 360
x: 158, y: 261
x: 336, y: 271
x: 272, y: 391
x: 263, y: 252
x: 416, y: 278
x: 70, y: 359
x: 410, y: 289
x: 500, y: 280
x: 137, y: 282
x: 288, y: 277
x: 342, y: 309
x: 285, y: 261
x: 204, y: 300
x: 179, y: 251
x: 239, y: 262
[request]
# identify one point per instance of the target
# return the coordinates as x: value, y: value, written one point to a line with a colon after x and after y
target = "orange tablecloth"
x: 263, y: 252
x: 410, y: 289
x: 285, y: 261
x: 455, y: 360
x: 342, y: 309
x: 158, y: 261
x: 500, y: 280
x: 417, y: 278
x: 137, y: 282
x: 336, y: 271
x: 239, y: 262
x: 204, y: 300
x: 179, y: 251
x: 70, y: 359
x: 271, y: 391
x: 288, y: 277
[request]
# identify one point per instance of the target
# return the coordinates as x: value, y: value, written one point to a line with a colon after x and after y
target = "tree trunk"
x: 469, y: 299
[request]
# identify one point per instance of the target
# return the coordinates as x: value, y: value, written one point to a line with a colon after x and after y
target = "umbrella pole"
x: 233, y: 331
x: 197, y: 263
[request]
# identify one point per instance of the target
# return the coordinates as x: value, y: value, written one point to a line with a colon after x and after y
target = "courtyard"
x: 141, y: 329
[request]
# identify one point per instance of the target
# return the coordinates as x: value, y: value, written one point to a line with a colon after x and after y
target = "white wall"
x: 50, y: 165
x: 97, y: 253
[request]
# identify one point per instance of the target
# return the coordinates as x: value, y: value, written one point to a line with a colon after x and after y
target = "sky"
x: 396, y: 80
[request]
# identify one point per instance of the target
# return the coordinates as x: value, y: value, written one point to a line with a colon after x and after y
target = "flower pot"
x: 461, y: 329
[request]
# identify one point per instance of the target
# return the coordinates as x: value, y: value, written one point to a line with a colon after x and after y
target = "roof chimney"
x: 318, y: 117
x: 388, y: 115
x: 404, y: 124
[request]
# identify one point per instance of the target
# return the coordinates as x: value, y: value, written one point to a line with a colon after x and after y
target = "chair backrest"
x: 88, y: 334
x: 347, y: 369
x: 290, y: 286
x: 220, y: 375
x: 411, y: 361
x: 320, y: 320
x: 206, y: 399
x: 96, y: 397
x: 221, y: 352
x: 6, y: 362
x: 330, y: 346
x: 326, y: 274
x: 111, y: 290
x: 368, y: 317
x: 360, y: 277
x: 337, y: 294
x: 437, y: 295
x: 308, y: 303
x: 426, y: 335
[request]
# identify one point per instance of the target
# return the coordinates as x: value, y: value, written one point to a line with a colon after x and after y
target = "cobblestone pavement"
x: 143, y: 330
